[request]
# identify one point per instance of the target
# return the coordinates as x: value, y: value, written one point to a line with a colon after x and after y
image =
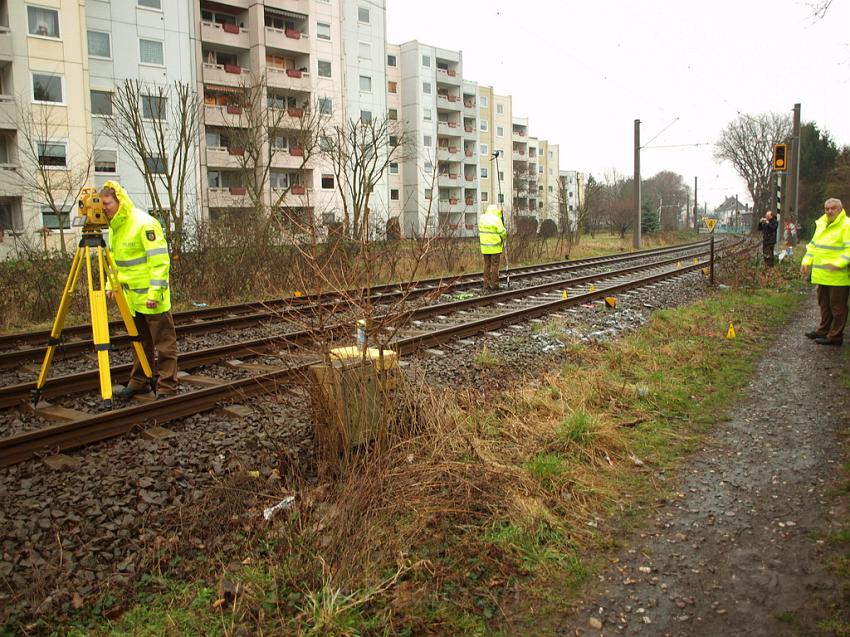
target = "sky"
x: 582, y: 72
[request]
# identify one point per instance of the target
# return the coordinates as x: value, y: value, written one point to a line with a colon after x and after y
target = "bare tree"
x: 360, y: 152
x: 52, y: 174
x: 157, y: 125
x: 747, y: 144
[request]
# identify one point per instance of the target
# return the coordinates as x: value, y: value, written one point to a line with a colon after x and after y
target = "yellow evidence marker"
x: 730, y: 333
x: 611, y: 302
x: 592, y: 288
x: 564, y: 295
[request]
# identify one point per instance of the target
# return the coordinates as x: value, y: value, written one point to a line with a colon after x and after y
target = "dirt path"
x: 741, y: 550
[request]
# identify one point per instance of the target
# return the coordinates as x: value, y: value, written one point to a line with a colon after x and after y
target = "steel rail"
x: 16, y: 357
x: 9, y: 341
x: 13, y: 395
x: 14, y: 449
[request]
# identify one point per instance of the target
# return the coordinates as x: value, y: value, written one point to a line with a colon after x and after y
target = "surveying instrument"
x: 93, y: 220
x: 496, y: 156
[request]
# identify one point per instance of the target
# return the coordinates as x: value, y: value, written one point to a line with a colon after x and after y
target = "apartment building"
x: 149, y: 41
x: 440, y: 168
x: 572, y: 184
x: 43, y: 89
x: 395, y: 182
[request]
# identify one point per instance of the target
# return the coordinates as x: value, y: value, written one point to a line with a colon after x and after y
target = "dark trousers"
x: 157, y: 334
x: 832, y: 300
x: 767, y: 251
x: 491, y: 270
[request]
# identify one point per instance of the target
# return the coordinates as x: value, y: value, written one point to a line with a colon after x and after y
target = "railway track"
x: 29, y: 347
x: 448, y: 321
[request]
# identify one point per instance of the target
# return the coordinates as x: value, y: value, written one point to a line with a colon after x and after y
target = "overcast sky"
x: 582, y: 72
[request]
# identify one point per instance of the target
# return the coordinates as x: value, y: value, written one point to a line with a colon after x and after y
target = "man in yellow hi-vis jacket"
x: 491, y: 236
x: 141, y: 254
x: 828, y: 259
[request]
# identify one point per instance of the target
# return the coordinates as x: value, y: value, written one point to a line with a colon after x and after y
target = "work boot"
x: 822, y: 340
x: 128, y: 392
x: 814, y: 334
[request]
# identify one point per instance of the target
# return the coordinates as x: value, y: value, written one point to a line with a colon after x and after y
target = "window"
x: 324, y: 68
x: 365, y: 83
x: 392, y: 114
x: 429, y: 167
x: 325, y: 143
x: 394, y: 194
x: 484, y: 173
x: 53, y: 154
x: 483, y: 101
x: 500, y: 109
x: 501, y: 175
x: 214, y: 178
x: 151, y: 4
x: 391, y: 60
x: 155, y: 165
x: 426, y: 114
x: 500, y: 131
x: 326, y: 106
x: 363, y: 15
x: 483, y: 125
x: 99, y: 44
x: 43, y: 22
x: 484, y: 149
x: 8, y: 218
x: 365, y: 116
x: 393, y: 141
x: 105, y: 161
x: 327, y: 181
x: 323, y: 31
x: 426, y: 88
x: 426, y: 60
x: 392, y: 87
x: 48, y: 88
x: 153, y: 107
x: 150, y: 52
x: 328, y: 218
x: 540, y: 205
x: 485, y: 196
x: 427, y: 193
x: 550, y: 189
x: 364, y: 50
x: 427, y: 141
x: 51, y: 220
x: 393, y: 167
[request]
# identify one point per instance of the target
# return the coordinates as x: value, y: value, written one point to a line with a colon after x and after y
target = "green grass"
x: 546, y: 466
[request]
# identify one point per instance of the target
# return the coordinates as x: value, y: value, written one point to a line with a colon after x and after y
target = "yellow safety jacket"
x: 828, y: 253
x: 491, y: 231
x: 140, y: 251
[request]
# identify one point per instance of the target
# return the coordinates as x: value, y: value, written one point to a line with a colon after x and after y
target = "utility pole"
x: 636, y: 231
x: 793, y: 185
x: 737, y: 216
x: 696, y: 206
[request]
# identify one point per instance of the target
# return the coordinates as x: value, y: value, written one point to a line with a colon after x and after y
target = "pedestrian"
x: 828, y: 260
x: 768, y: 225
x: 140, y: 251
x: 491, y: 236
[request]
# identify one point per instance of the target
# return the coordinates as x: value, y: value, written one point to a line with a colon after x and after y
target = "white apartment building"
x: 572, y: 194
x: 43, y: 70
x: 440, y: 170
x: 146, y: 40
x: 395, y: 181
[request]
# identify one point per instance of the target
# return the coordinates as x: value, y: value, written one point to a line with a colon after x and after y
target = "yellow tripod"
x: 92, y: 240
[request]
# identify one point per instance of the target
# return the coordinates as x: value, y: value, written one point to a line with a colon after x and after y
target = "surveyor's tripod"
x: 91, y: 240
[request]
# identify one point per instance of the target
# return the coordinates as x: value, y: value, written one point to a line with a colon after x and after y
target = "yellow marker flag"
x: 592, y: 288
x: 706, y: 271
x: 611, y: 301
x: 696, y: 260
x: 730, y: 333
x: 297, y: 294
x: 564, y: 295
x: 678, y: 264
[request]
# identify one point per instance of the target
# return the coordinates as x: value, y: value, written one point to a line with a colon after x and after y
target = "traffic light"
x: 779, y: 154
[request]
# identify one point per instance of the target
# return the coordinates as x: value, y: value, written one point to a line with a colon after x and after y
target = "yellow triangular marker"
x: 730, y: 333
x: 592, y: 288
x: 611, y: 301
x: 706, y: 271
x: 564, y: 295
x: 678, y: 264
x: 696, y: 260
x: 297, y: 293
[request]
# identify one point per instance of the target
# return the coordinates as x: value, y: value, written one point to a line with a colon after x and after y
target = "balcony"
x: 226, y: 35
x: 292, y: 79
x: 10, y: 181
x: 288, y: 119
x: 288, y: 40
x: 298, y: 195
x: 470, y: 108
x: 449, y: 179
x: 228, y: 197
x: 225, y: 74
x: 453, y: 204
x: 221, y: 157
x: 469, y: 178
x: 451, y: 129
x: 8, y: 110
x: 520, y: 136
x: 5, y: 44
x: 448, y: 76
x: 450, y: 102
x: 289, y: 6
x: 519, y: 155
x: 224, y: 116
x: 288, y: 158
x: 448, y: 153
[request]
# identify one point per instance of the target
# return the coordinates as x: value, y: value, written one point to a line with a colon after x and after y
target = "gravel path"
x: 741, y: 548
